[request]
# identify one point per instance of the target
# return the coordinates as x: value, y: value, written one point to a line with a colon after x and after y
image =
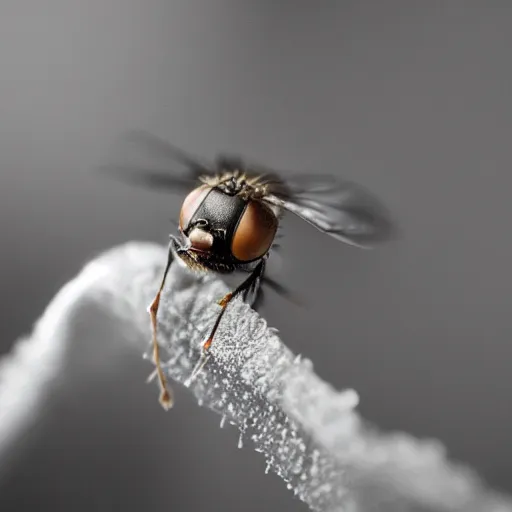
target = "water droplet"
x: 222, y: 421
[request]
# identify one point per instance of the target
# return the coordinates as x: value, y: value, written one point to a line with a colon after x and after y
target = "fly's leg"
x: 249, y: 288
x: 166, y: 397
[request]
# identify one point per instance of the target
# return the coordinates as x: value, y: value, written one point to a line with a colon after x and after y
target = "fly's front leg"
x: 166, y: 397
x: 247, y: 287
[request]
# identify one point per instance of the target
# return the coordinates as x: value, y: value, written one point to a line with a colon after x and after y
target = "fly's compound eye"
x: 191, y: 204
x: 254, y: 233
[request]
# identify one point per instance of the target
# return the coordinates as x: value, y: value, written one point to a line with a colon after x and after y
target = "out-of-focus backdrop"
x: 411, y: 99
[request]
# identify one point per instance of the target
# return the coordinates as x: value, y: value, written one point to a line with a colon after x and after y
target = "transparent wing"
x: 157, y: 146
x: 152, y: 178
x: 168, y: 179
x: 339, y: 208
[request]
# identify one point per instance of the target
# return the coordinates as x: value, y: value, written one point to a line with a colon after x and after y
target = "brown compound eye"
x: 191, y: 204
x: 254, y: 233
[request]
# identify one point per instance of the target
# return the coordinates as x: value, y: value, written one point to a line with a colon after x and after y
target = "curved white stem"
x: 309, y: 433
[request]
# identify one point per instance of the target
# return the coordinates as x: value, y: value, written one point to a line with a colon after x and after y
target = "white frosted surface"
x: 310, y: 434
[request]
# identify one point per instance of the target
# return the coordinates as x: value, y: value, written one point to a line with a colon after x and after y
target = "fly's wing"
x: 157, y: 146
x: 163, y: 181
x: 166, y: 180
x: 339, y: 208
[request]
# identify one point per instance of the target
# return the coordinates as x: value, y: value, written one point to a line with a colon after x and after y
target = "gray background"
x: 410, y: 98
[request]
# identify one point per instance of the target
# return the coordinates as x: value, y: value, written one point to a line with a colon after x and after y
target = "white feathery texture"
x: 309, y: 433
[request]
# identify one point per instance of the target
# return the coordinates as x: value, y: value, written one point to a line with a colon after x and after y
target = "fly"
x: 230, y: 216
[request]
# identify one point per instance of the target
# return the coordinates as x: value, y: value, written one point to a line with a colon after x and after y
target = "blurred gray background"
x: 409, y: 98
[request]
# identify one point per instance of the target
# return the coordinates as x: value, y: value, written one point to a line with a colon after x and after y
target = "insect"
x: 231, y: 213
